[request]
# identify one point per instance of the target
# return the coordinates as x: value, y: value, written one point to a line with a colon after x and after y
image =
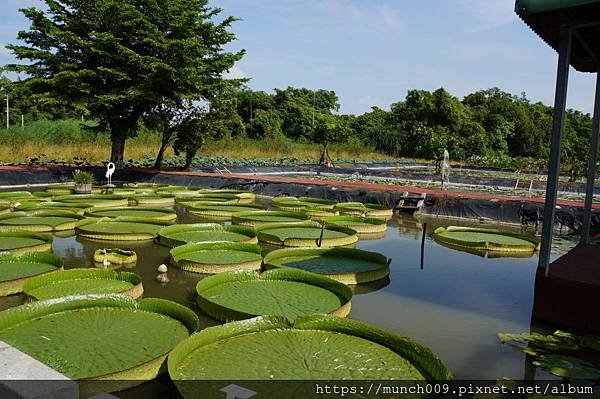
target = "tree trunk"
x: 118, y: 150
x: 160, y: 156
x: 189, y: 157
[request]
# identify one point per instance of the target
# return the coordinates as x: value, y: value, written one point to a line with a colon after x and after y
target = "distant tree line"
x: 162, y: 64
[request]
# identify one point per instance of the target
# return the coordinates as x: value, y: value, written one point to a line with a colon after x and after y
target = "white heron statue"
x: 110, y: 169
x: 446, y: 169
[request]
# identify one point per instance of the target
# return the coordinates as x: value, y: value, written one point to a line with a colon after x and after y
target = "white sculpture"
x: 110, y: 169
x: 446, y: 169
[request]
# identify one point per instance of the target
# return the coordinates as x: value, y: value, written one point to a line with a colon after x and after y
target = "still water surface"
x: 451, y: 301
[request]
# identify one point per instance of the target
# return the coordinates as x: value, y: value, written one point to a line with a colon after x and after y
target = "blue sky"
x: 371, y: 52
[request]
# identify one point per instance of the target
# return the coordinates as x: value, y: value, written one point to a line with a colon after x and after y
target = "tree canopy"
x: 119, y: 59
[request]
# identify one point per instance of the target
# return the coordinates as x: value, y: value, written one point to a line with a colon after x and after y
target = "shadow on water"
x: 452, y: 301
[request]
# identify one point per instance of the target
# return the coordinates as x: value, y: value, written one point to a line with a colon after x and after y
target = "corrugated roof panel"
x: 528, y: 7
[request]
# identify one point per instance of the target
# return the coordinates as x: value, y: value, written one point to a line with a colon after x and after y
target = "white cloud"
x: 374, y: 18
x: 488, y: 14
x: 235, y: 73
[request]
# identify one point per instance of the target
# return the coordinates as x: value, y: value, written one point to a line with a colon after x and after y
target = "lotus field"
x: 203, y: 281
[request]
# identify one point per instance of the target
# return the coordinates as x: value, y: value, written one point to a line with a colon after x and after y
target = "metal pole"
x: 591, y: 175
x: 423, y: 246
x: 7, y: 113
x: 22, y: 120
x: 560, y: 103
x: 313, y: 113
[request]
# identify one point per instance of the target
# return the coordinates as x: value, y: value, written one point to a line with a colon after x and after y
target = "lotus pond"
x: 450, y: 300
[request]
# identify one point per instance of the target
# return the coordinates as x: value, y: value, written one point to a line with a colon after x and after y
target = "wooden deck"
x: 570, y: 296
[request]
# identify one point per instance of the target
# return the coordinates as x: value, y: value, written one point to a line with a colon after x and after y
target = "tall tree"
x: 122, y: 58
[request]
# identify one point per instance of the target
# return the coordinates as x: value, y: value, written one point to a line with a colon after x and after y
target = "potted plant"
x: 83, y: 181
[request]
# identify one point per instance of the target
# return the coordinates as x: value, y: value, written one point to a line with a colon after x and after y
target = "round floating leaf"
x: 149, y: 213
x: 150, y: 199
x: 305, y: 234
x: 216, y: 257
x: 94, y: 200
x: 221, y: 211
x: 591, y: 341
x: 5, y: 209
x: 359, y: 224
x: 485, y: 239
x: 39, y: 221
x: 60, y: 189
x: 568, y: 367
x: 346, y: 265
x: 83, y: 282
x: 143, y: 187
x: 301, y: 204
x: 104, y: 337
x: 283, y: 292
x: 16, y: 270
x: 255, y: 218
x: 207, y: 198
x: 364, y: 210
x: 313, y: 348
x: 20, y: 242
x: 119, y: 229
x: 180, y: 234
x: 115, y: 256
x: 245, y: 197
x: 34, y: 207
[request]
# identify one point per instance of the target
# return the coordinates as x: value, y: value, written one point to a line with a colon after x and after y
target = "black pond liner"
x: 509, y: 211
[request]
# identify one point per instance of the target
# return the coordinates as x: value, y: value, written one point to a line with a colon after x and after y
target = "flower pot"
x: 83, y: 188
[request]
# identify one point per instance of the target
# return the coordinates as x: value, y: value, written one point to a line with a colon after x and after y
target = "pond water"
x: 451, y: 301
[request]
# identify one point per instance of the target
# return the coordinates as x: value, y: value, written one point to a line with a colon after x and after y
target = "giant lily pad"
x: 114, y: 256
x: 317, y: 347
x: 60, y: 188
x: 83, y: 282
x: 364, y: 210
x: 180, y: 234
x: 39, y: 221
x: 305, y: 234
x: 359, y: 224
x: 301, y: 204
x: 207, y: 198
x: 95, y: 200
x: 111, y: 340
x: 221, y: 211
x: 150, y: 199
x: 36, y: 206
x: 119, y: 229
x: 485, y: 239
x: 568, y: 367
x: 176, y: 191
x: 245, y: 197
x: 143, y: 187
x: 289, y: 293
x: 346, y: 265
x: 16, y: 270
x: 255, y: 218
x: 216, y: 257
x: 4, y: 209
x: 20, y: 242
x: 149, y: 213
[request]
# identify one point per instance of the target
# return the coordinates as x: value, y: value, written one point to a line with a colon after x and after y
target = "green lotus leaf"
x: 16, y: 195
x: 124, y: 192
x: 485, y: 239
x: 557, y: 341
x: 114, y: 256
x: 83, y: 282
x: 16, y: 270
x: 315, y: 347
x: 180, y: 234
x: 4, y: 209
x: 109, y: 339
x: 294, y: 204
x: 176, y: 191
x: 20, y: 242
x: 95, y: 200
x: 190, y: 200
x: 568, y: 367
x: 222, y: 211
x: 149, y: 213
x: 346, y: 265
x: 319, y: 212
x: 305, y: 234
x: 246, y: 197
x: 119, y: 229
x: 39, y: 221
x: 591, y: 341
x: 255, y: 218
x: 143, y: 187
x: 60, y: 188
x: 216, y: 257
x: 286, y: 292
x: 150, y: 199
x: 32, y: 207
x: 359, y: 224
x: 364, y: 210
